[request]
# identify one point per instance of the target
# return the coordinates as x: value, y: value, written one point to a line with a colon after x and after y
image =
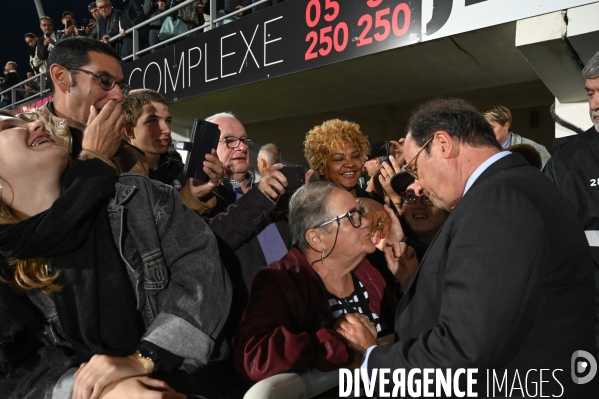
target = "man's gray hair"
x: 222, y: 115
x: 591, y: 70
x: 309, y: 207
x: 271, y: 153
x: 13, y: 64
x: 108, y: 1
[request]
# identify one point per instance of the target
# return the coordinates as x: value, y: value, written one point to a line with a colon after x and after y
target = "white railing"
x: 210, y: 23
x: 28, y: 94
x: 136, y: 51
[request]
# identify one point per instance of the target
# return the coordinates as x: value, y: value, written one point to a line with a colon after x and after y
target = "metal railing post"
x: 13, y: 94
x: 212, y: 13
x: 42, y: 81
x: 135, y: 43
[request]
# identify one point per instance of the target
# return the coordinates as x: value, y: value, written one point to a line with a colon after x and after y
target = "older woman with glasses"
x: 295, y: 302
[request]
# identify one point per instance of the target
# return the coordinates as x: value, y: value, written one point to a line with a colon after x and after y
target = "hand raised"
x: 273, y: 182
x: 401, y: 261
x: 103, y: 133
x: 215, y: 171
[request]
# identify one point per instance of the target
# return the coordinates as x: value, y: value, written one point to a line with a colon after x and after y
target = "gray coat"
x: 183, y: 292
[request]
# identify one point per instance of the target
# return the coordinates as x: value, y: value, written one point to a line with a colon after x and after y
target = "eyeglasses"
x: 414, y: 172
x: 105, y: 81
x: 354, y: 216
x: 104, y: 7
x: 410, y: 198
x: 233, y: 142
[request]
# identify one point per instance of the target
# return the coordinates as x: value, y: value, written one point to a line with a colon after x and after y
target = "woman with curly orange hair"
x: 335, y: 151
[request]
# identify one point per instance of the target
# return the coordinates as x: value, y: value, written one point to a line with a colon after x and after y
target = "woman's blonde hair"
x: 499, y: 114
x: 322, y: 139
x: 29, y: 274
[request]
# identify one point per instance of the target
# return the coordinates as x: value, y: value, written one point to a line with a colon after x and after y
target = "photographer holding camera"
x: 70, y: 26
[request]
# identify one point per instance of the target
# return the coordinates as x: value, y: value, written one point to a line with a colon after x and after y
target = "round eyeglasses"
x: 354, y: 216
x: 233, y: 142
x: 410, y: 198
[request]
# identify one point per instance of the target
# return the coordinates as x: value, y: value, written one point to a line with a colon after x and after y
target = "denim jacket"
x: 183, y: 291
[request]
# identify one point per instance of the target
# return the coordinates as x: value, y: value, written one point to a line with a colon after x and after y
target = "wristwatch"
x: 144, y: 355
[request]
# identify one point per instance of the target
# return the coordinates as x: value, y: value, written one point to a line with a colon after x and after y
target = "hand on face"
x: 394, y: 232
x: 378, y: 218
x: 102, y: 134
x: 273, y: 182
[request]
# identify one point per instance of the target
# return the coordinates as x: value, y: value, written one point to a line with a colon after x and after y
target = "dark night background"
x: 18, y: 17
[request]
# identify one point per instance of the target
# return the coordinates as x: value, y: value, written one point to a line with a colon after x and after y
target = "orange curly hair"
x: 322, y: 139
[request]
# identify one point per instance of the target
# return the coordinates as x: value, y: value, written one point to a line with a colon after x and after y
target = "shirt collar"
x: 508, y: 140
x: 482, y: 167
x: 233, y: 185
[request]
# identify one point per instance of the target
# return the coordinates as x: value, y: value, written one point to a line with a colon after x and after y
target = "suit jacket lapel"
x: 509, y: 161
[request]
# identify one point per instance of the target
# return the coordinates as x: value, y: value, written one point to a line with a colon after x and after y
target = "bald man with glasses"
x: 250, y: 235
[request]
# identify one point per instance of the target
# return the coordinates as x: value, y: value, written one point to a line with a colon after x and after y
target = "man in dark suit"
x: 131, y: 15
x: 108, y: 22
x: 506, y: 286
x: 574, y: 168
x: 11, y: 78
x: 46, y: 42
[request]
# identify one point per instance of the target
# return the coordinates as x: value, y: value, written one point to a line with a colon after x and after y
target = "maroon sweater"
x: 287, y: 323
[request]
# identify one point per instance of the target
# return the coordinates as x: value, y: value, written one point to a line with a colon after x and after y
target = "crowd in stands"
x: 107, y: 22
x: 120, y: 276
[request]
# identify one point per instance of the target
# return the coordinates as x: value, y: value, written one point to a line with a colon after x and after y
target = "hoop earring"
x: 2, y: 214
x: 13, y: 193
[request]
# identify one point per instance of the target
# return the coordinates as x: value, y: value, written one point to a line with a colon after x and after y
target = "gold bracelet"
x: 146, y: 362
